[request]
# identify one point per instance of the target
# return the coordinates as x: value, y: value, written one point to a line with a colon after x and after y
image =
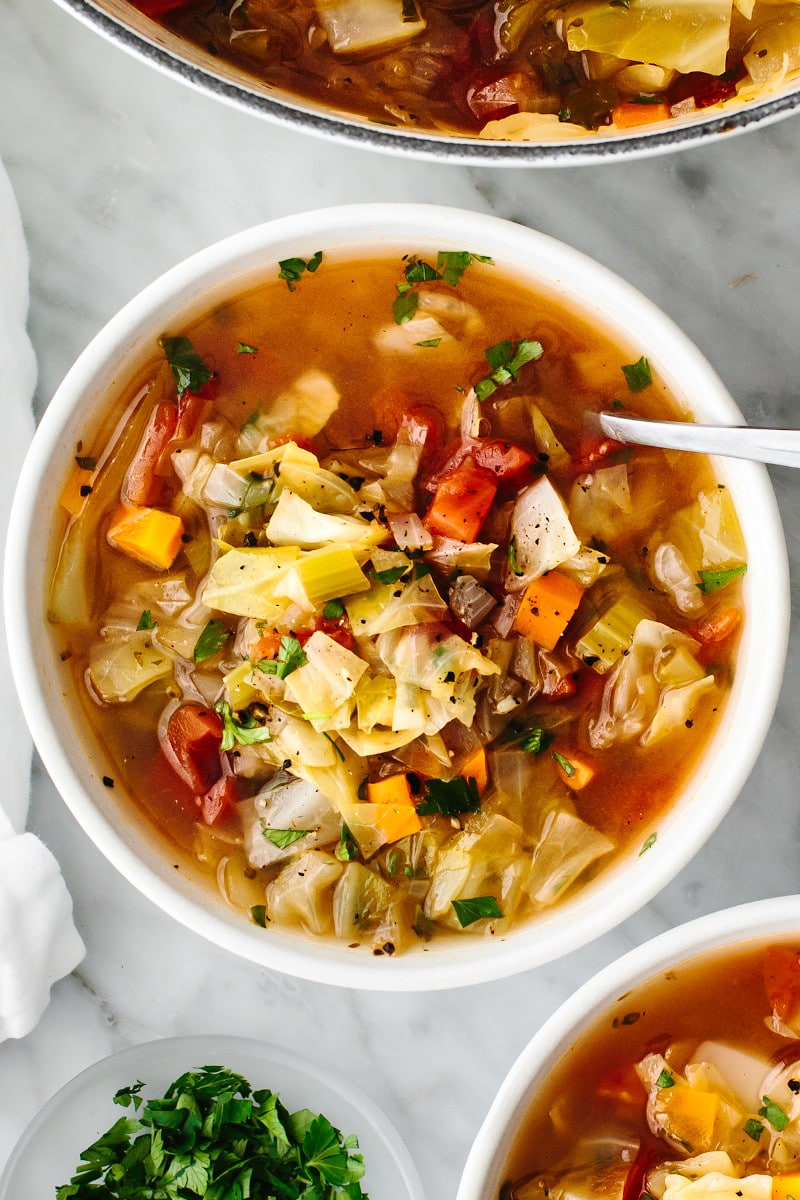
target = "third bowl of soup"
x: 346, y: 633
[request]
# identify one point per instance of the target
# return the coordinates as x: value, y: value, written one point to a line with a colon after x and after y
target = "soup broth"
x: 691, y: 1081
x: 375, y: 626
x: 500, y: 68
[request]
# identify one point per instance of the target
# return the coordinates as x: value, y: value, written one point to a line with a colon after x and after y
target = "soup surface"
x: 688, y: 1086
x: 507, y: 69
x: 373, y: 623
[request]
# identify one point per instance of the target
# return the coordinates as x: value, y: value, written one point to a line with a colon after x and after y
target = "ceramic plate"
x: 49, y: 1149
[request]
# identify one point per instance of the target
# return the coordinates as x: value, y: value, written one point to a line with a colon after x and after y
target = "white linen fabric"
x: 38, y: 940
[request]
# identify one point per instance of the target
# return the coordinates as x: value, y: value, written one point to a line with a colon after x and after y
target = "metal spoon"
x: 781, y: 446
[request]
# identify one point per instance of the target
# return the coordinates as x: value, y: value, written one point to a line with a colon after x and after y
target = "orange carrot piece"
x: 149, y: 535
x: 474, y: 767
x: 629, y: 115
x: 76, y: 490
x: 461, y: 503
x: 785, y: 1187
x: 395, y: 821
x: 577, y: 771
x: 547, y: 607
x: 394, y: 789
x: 718, y: 627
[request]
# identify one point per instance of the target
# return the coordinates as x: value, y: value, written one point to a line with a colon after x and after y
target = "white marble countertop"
x: 120, y: 173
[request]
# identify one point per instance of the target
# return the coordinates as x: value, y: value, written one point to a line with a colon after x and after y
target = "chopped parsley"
x: 450, y: 797
x: 212, y: 1135
x: 291, y: 269
x: 665, y: 1080
x: 419, y: 271
x: 648, y: 843
x: 333, y: 610
x: 211, y: 641
x: 566, y: 766
x: 392, y: 574
x: 512, y: 557
x: 638, y: 375
x: 431, y: 342
x: 479, y: 908
x: 533, y: 741
x: 347, y: 849
x: 242, y: 730
x: 506, y: 360
x: 453, y: 264
x: 188, y: 369
x: 291, y: 655
x: 404, y: 307
x: 773, y: 1113
x: 244, y: 348
x: 146, y: 620
x: 713, y: 581
x: 753, y: 1129
x: 392, y: 862
x: 258, y: 915
x: 285, y: 837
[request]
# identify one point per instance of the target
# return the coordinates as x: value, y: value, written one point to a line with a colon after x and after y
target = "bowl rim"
x: 292, y: 114
x: 754, y: 921
x: 528, y: 254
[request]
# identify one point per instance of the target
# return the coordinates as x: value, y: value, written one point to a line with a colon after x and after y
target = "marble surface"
x: 120, y: 173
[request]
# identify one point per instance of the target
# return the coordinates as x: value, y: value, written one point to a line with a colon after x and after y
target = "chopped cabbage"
x: 483, y: 860
x: 302, y: 893
x: 418, y: 603
x: 244, y: 581
x: 543, y: 534
x: 567, y: 847
x: 305, y: 407
x: 295, y: 523
x: 296, y: 805
x: 327, y: 681
x: 323, y: 490
x: 121, y: 667
x: 687, y: 35
x: 360, y: 26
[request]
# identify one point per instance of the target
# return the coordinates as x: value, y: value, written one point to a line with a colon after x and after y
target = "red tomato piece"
x: 191, y: 406
x: 192, y: 745
x: 283, y: 439
x: 158, y: 8
x: 704, y: 89
x: 596, y: 450
x: 635, y: 1183
x: 509, y: 462
x: 782, y: 981
x: 462, y: 502
x: 219, y: 801
x: 144, y: 482
x: 337, y: 628
x: 497, y: 98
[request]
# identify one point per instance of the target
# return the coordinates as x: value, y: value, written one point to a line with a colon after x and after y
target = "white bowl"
x: 76, y: 763
x: 122, y: 23
x: 47, y: 1153
x: 732, y: 927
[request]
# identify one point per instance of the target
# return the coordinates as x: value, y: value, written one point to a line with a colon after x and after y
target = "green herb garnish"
x: 392, y: 574
x: 244, y: 348
x: 665, y: 1080
x: 243, y: 729
x: 188, y: 369
x: 512, y: 557
x: 506, y: 360
x: 453, y: 264
x: 291, y: 655
x: 347, y: 849
x: 450, y: 797
x: 638, y: 375
x: 404, y: 307
x: 258, y: 915
x: 333, y: 610
x: 479, y: 908
x: 211, y: 1135
x: 285, y: 837
x: 431, y: 342
x: 713, y: 581
x: 773, y: 1113
x: 392, y: 861
x: 647, y: 843
x: 211, y: 641
x: 146, y: 620
x: 291, y: 269
x: 753, y: 1129
x: 419, y: 271
x: 566, y: 766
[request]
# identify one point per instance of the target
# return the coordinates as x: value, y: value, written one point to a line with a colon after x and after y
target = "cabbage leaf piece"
x: 686, y: 35
x: 542, y: 533
x: 295, y: 523
x: 567, y: 847
x: 653, y: 690
x: 367, y: 26
x: 244, y: 582
x: 302, y: 894
x: 485, y: 859
x: 120, y: 667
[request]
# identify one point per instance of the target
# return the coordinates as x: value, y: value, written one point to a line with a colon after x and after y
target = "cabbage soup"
x: 376, y: 628
x: 689, y: 1087
x: 503, y: 69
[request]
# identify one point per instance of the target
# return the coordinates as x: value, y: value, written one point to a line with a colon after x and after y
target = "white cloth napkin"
x: 38, y: 940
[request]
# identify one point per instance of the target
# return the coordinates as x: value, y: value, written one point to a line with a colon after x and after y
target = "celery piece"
x: 685, y: 35
x: 602, y: 645
x: 321, y: 575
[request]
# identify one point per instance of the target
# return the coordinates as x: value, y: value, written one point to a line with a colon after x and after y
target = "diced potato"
x: 360, y: 26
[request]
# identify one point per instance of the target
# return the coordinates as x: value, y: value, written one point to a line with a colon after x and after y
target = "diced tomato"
x: 192, y: 745
x: 636, y: 1181
x: 704, y: 89
x: 144, y: 484
x: 158, y: 8
x: 497, y: 98
x: 595, y: 450
x: 267, y: 646
x: 220, y: 800
x: 337, y: 628
x: 421, y: 425
x: 782, y: 981
x: 621, y: 1087
x: 509, y: 462
x: 718, y: 627
x: 191, y: 406
x: 462, y: 502
x: 299, y: 439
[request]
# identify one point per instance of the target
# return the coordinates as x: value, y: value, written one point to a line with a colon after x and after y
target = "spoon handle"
x: 781, y: 446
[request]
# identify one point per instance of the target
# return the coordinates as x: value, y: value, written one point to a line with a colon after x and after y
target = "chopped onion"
x: 503, y: 619
x: 469, y: 601
x: 408, y: 531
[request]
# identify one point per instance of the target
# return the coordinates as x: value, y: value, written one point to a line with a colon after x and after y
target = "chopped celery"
x: 265, y: 462
x: 321, y: 575
x: 323, y: 490
x: 689, y: 35
x: 295, y: 523
x: 247, y: 582
x: 611, y: 632
x: 367, y: 26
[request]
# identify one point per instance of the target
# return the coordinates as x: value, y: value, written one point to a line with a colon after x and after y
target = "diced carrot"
x: 267, y: 646
x: 144, y: 484
x: 547, y: 607
x: 628, y: 115
x: 576, y: 771
x: 718, y: 627
x: 691, y: 1115
x: 462, y: 502
x: 782, y: 981
x: 474, y: 767
x: 785, y: 1187
x: 78, y: 487
x: 394, y: 821
x: 394, y: 789
x: 283, y: 439
x: 149, y: 535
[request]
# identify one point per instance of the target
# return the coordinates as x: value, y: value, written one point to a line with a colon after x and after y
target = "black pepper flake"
x: 65, y: 654
x: 629, y: 1019
x: 85, y: 489
x: 688, y: 724
x: 186, y: 537
x: 108, y: 781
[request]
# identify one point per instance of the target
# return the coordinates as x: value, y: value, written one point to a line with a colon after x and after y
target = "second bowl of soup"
x: 348, y: 636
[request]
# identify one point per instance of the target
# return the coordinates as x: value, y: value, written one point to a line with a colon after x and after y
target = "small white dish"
x: 49, y: 1150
